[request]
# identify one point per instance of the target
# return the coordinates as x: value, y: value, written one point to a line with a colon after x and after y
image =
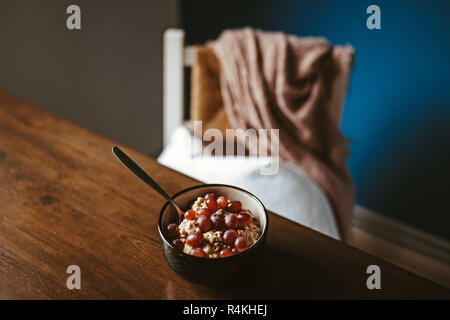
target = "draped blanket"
x: 269, y: 80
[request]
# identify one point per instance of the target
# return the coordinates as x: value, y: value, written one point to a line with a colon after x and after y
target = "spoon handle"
x: 130, y: 164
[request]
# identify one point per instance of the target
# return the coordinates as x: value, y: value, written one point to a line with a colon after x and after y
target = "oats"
x: 214, y: 239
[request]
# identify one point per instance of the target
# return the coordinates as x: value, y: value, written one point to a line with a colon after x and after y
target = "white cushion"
x: 289, y: 193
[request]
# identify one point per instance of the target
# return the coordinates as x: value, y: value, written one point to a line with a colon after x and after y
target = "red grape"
x: 177, y: 243
x: 231, y: 221
x: 195, y: 239
x: 212, y: 204
x: 241, y: 244
x: 234, y: 206
x: 217, y: 221
x: 210, y: 195
x: 225, y: 253
x: 230, y: 236
x: 204, y: 223
x: 172, y: 231
x: 222, y: 202
x: 244, y: 219
x: 198, y: 252
x: 190, y: 214
x: 204, y: 211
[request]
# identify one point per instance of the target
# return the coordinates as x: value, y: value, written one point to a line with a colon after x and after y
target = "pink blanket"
x: 275, y: 81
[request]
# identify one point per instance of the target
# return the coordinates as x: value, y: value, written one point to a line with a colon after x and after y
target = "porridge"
x: 214, y: 227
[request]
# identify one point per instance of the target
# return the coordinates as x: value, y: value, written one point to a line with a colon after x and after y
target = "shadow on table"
x: 278, y: 275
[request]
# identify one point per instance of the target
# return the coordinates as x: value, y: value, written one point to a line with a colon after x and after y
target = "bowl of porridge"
x: 220, y: 236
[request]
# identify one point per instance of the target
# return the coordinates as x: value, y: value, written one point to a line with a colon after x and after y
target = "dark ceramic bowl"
x: 216, y: 270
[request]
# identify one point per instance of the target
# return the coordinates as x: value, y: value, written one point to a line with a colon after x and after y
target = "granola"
x: 215, y: 227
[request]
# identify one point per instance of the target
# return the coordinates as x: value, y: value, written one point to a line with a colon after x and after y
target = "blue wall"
x: 397, y: 112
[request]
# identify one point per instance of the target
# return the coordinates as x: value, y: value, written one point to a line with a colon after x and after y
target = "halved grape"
x: 225, y: 253
x: 229, y: 237
x: 198, y: 252
x: 241, y: 244
x: 217, y: 221
x: 231, y: 221
x: 195, y: 239
x: 190, y: 214
x: 177, y: 243
x: 210, y: 195
x: 204, y: 223
x: 212, y: 204
x: 172, y: 231
x: 204, y: 211
x: 244, y: 219
x: 234, y: 206
x: 222, y: 202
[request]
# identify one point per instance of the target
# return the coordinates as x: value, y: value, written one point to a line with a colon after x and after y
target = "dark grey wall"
x: 106, y: 76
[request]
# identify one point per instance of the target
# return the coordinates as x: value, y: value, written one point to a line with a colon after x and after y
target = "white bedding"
x: 290, y: 193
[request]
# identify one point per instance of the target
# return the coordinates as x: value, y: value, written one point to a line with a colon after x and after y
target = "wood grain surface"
x: 64, y: 200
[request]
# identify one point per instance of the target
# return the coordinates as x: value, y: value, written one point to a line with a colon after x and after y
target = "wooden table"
x: 64, y: 200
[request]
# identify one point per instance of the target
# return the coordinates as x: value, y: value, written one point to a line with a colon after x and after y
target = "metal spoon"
x: 130, y: 164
